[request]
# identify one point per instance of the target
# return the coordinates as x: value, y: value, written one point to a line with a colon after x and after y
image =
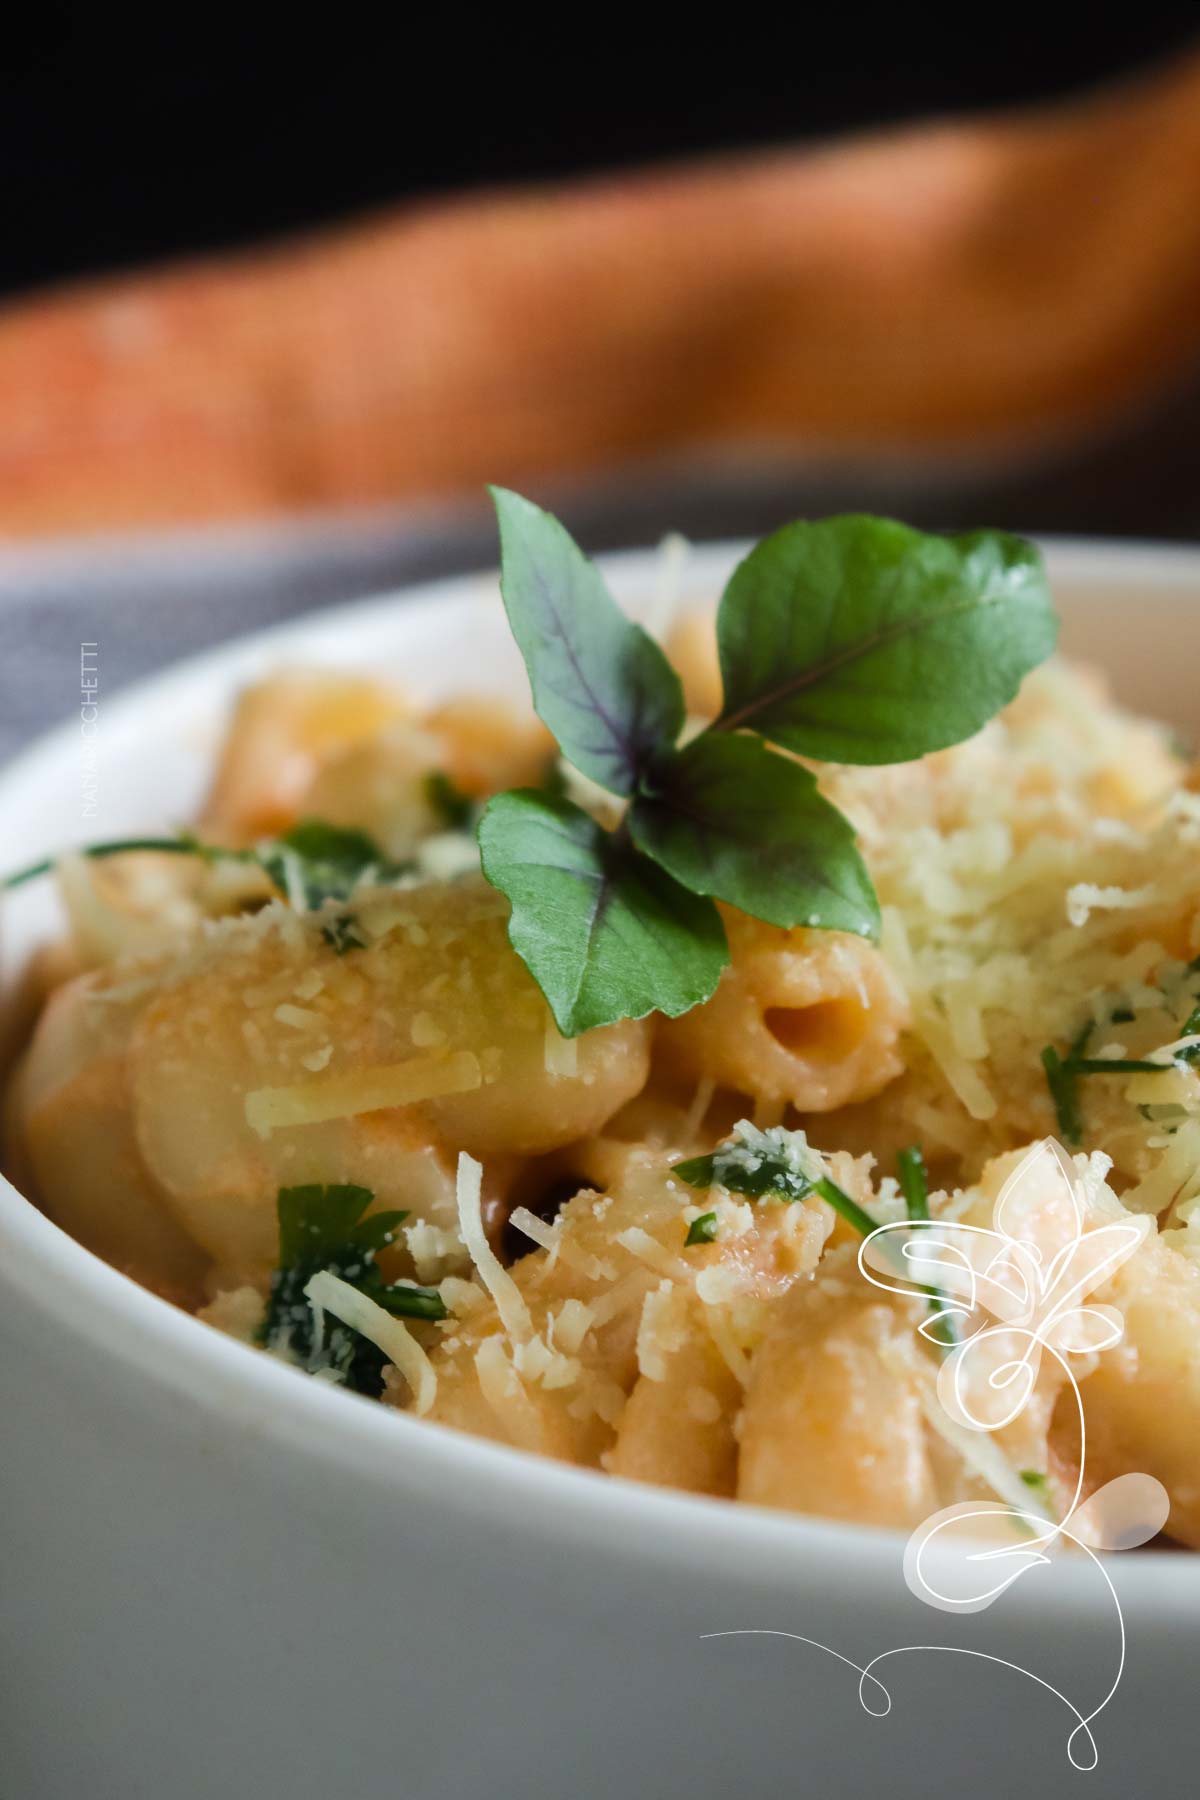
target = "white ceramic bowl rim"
x: 102, y: 1313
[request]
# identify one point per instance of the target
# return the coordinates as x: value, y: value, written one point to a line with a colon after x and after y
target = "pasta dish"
x: 572, y: 1148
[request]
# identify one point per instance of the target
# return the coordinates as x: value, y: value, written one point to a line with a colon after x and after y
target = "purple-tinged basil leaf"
x: 600, y: 683
x: 731, y: 818
x: 605, y: 933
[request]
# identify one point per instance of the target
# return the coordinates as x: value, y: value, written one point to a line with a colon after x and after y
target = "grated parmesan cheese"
x: 365, y: 1090
x: 510, y: 1302
x: 661, y: 1331
x: 571, y: 1324
x: 500, y: 1385
x: 656, y: 1256
x: 328, y: 1293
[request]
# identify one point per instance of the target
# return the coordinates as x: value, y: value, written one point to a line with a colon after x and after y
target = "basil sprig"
x: 850, y: 639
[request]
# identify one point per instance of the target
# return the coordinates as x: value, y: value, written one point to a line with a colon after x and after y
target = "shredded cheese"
x: 328, y: 1293
x: 978, y: 1451
x: 501, y: 1387
x: 510, y: 1302
x: 557, y: 1244
x: 571, y: 1324
x: 661, y: 1331
x: 656, y: 1256
x: 362, y: 1091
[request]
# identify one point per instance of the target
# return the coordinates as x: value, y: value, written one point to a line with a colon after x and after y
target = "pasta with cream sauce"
x: 205, y: 1042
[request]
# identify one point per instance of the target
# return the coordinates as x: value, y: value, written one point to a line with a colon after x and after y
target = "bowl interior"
x: 1132, y: 610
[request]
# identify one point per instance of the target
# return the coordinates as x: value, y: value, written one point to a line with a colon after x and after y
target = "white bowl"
x: 221, y: 1578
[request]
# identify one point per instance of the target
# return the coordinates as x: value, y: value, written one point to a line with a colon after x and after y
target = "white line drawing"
x: 1001, y: 1298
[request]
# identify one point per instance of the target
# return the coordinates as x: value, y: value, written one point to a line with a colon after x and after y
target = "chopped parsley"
x: 458, y: 811
x: 310, y: 864
x: 702, y: 1230
x: 324, y: 1227
x: 315, y: 862
x: 771, y: 1165
x: 341, y: 934
x: 1063, y: 1072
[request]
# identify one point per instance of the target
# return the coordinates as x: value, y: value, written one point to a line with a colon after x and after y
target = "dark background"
x: 122, y: 143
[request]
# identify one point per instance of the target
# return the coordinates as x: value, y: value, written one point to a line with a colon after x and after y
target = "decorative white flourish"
x: 1001, y: 1298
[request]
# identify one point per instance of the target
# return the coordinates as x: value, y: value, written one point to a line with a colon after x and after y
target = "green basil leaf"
x: 731, y: 818
x: 600, y: 683
x: 605, y: 933
x: 859, y: 640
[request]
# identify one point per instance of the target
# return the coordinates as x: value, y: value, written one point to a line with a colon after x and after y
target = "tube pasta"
x: 381, y: 783
x: 282, y: 730
x: 809, y: 1018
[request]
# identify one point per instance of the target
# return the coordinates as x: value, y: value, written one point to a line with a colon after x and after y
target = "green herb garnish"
x: 914, y: 1182
x: 459, y: 811
x: 324, y: 1228
x: 315, y: 862
x: 1190, y: 1028
x: 1062, y: 1078
x: 914, y: 1185
x: 764, y: 1168
x: 850, y: 640
x: 1064, y: 1072
x: 311, y: 863
x: 182, y: 845
x: 1039, y: 1486
x: 341, y: 934
x: 702, y: 1230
